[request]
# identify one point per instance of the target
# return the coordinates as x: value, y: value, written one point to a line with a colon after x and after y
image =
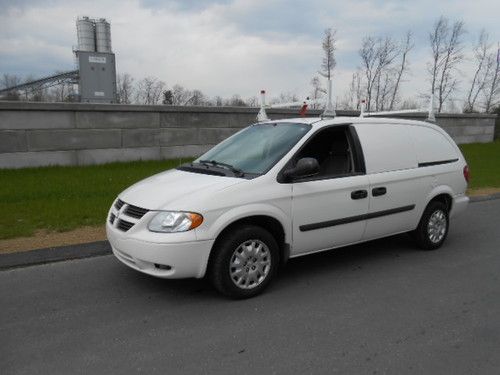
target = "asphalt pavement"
x: 382, y: 307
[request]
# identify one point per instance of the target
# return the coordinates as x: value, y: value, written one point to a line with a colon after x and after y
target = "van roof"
x: 319, y: 122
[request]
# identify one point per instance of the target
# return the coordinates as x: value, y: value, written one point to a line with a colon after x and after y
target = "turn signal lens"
x: 196, y: 220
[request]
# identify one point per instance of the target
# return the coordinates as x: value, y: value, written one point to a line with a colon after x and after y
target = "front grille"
x: 135, y: 211
x: 124, y: 225
x: 118, y: 204
x: 115, y: 218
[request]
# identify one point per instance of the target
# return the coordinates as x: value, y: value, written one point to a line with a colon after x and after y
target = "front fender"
x: 240, y: 212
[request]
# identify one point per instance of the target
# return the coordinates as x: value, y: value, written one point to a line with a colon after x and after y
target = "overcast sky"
x: 224, y: 47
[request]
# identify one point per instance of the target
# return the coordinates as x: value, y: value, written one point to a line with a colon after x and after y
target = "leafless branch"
x: 329, y: 47
x: 447, y: 53
x: 492, y: 86
x: 406, y: 46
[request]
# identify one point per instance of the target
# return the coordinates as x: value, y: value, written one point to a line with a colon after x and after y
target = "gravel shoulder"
x: 45, y: 239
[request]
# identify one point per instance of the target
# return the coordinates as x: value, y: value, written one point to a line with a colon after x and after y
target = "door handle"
x: 379, y: 191
x: 359, y: 194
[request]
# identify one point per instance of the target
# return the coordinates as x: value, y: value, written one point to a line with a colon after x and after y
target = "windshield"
x: 257, y: 148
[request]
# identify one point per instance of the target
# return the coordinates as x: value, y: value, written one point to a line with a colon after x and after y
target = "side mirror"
x: 305, y: 167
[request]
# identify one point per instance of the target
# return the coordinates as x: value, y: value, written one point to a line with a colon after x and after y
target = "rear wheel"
x: 433, y: 226
x: 244, y: 262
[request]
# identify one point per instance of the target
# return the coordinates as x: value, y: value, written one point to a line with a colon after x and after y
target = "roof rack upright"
x: 329, y: 109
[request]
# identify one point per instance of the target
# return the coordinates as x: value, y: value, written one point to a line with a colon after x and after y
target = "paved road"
x: 381, y: 307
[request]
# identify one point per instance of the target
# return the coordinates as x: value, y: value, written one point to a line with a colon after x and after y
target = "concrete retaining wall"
x: 40, y: 134
x: 497, y: 128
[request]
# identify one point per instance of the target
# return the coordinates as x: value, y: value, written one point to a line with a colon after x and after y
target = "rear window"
x: 386, y: 147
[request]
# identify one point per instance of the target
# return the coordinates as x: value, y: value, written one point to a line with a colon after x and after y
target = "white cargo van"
x: 283, y: 189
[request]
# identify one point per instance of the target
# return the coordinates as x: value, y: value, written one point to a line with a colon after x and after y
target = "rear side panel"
x: 438, y: 154
x: 397, y: 189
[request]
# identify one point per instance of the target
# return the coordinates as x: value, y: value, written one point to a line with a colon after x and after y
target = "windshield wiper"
x: 237, y: 172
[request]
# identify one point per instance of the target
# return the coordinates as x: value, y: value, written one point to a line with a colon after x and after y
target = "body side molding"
x: 438, y: 162
x: 352, y: 219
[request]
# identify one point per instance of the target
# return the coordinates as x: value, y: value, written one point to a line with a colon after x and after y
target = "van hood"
x: 167, y: 189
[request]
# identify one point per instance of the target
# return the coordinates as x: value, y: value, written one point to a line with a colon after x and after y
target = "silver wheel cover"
x: 250, y: 264
x: 436, y: 227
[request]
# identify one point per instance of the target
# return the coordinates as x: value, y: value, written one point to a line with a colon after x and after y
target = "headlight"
x: 174, y: 221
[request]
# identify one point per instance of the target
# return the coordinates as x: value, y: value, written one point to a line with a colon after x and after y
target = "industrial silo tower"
x: 96, y: 61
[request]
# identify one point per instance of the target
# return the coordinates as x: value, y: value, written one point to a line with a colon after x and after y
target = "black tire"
x: 219, y: 271
x: 423, y: 235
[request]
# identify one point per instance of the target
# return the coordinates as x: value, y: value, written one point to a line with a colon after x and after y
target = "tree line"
x: 146, y: 91
x: 384, y: 66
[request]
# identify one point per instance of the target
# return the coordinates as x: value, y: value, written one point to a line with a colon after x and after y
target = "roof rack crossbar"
x: 430, y: 116
x: 262, y: 115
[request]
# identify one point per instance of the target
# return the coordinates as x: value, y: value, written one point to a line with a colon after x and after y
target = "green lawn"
x: 484, y: 164
x: 64, y: 198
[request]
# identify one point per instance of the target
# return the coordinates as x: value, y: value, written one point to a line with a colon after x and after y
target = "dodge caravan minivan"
x: 282, y: 189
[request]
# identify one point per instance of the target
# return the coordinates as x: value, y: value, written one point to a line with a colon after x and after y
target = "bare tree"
x: 284, y: 97
x: 37, y: 93
x: 447, y: 53
x: 387, y: 51
x: 368, y: 56
x: 409, y: 103
x: 329, y: 62
x: 481, y: 72
x: 218, y: 101
x: 437, y: 39
x: 327, y: 66
x: 317, y: 91
x: 180, y: 95
x: 377, y: 56
x: 149, y: 91
x: 252, y: 101
x: 406, y: 46
x: 168, y: 97
x: 492, y: 87
x: 197, y: 98
x: 352, y: 99
x: 235, y: 101
x: 10, y: 80
x: 385, y: 88
x: 124, y: 88
x: 62, y: 92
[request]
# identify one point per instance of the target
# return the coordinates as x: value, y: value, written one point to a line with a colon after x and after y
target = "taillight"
x: 466, y: 173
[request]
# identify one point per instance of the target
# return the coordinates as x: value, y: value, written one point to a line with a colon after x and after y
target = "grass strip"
x: 65, y: 198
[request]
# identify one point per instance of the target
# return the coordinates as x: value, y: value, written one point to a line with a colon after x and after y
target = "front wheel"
x: 433, y: 226
x: 244, y: 262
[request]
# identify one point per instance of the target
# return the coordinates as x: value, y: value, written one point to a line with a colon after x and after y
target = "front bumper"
x: 161, y: 259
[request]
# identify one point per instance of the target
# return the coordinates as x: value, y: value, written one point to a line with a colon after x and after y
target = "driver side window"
x: 332, y: 148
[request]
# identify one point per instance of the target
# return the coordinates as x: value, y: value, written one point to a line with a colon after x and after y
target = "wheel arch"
x: 442, y: 194
x: 277, y: 227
